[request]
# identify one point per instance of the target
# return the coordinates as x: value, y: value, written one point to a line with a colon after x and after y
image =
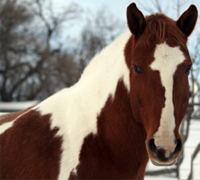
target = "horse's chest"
x: 97, y: 161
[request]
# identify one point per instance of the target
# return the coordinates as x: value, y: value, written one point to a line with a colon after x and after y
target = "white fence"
x: 16, y: 106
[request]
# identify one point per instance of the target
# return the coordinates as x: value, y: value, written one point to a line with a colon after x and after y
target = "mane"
x: 159, y: 27
x: 106, y: 63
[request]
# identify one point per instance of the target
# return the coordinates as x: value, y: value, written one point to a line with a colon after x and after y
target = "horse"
x: 125, y: 109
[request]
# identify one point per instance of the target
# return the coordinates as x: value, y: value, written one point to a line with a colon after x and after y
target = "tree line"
x: 34, y: 64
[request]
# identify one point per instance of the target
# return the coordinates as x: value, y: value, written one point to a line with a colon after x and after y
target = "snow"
x: 189, y: 147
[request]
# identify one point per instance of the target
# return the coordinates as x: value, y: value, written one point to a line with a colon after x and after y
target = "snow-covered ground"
x: 190, y: 145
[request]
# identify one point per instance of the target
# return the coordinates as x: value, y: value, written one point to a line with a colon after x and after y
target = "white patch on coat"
x: 5, y: 126
x: 75, y: 110
x: 166, y: 61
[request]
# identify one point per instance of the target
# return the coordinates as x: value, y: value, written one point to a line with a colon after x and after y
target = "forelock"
x: 159, y: 27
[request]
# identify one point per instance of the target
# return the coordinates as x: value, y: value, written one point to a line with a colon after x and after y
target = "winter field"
x: 190, y: 145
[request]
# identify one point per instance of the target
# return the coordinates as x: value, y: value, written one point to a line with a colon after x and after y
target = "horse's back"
x: 8, y: 117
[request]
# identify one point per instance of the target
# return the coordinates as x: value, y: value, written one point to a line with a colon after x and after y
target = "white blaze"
x: 166, y: 61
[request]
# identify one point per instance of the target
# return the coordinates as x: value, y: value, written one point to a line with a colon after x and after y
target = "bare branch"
x: 160, y: 172
x: 157, y: 5
x: 145, y: 7
x: 40, y: 14
x: 196, y: 151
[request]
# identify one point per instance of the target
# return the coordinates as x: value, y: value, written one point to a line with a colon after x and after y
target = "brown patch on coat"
x: 30, y: 149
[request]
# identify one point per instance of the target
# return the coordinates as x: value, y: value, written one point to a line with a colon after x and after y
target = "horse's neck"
x: 98, y: 104
x: 99, y: 80
x: 83, y: 102
x: 105, y: 87
x: 123, y: 128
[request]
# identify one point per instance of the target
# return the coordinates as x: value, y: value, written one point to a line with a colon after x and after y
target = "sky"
x: 118, y: 8
x: 120, y: 5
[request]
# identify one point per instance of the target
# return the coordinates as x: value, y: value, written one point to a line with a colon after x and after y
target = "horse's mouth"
x: 160, y: 163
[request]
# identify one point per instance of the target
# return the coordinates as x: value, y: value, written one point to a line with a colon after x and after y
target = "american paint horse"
x: 125, y: 109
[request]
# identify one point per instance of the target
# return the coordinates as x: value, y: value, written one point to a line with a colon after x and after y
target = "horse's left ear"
x: 135, y: 19
x: 187, y: 21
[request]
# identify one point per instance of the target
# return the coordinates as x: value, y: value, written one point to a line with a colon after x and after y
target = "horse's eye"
x: 187, y: 70
x: 136, y: 69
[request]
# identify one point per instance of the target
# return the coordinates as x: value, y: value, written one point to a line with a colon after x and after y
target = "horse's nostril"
x: 152, y: 146
x: 178, y: 146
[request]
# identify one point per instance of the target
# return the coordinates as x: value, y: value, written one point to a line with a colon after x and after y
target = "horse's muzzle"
x: 159, y: 154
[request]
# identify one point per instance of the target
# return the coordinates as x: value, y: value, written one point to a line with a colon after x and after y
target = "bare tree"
x: 31, y: 66
x: 154, y: 6
x: 28, y: 61
x: 12, y: 16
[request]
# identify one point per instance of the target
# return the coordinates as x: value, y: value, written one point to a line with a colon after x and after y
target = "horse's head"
x: 159, y: 64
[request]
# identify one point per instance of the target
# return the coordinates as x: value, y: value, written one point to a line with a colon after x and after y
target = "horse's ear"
x: 187, y: 21
x: 135, y: 19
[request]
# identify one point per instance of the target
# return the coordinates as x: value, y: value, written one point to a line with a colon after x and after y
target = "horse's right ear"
x: 135, y: 19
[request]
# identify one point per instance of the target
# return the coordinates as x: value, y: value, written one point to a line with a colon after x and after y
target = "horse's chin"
x: 159, y: 163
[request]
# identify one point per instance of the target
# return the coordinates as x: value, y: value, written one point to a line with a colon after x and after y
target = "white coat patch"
x: 166, y: 61
x: 5, y: 126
